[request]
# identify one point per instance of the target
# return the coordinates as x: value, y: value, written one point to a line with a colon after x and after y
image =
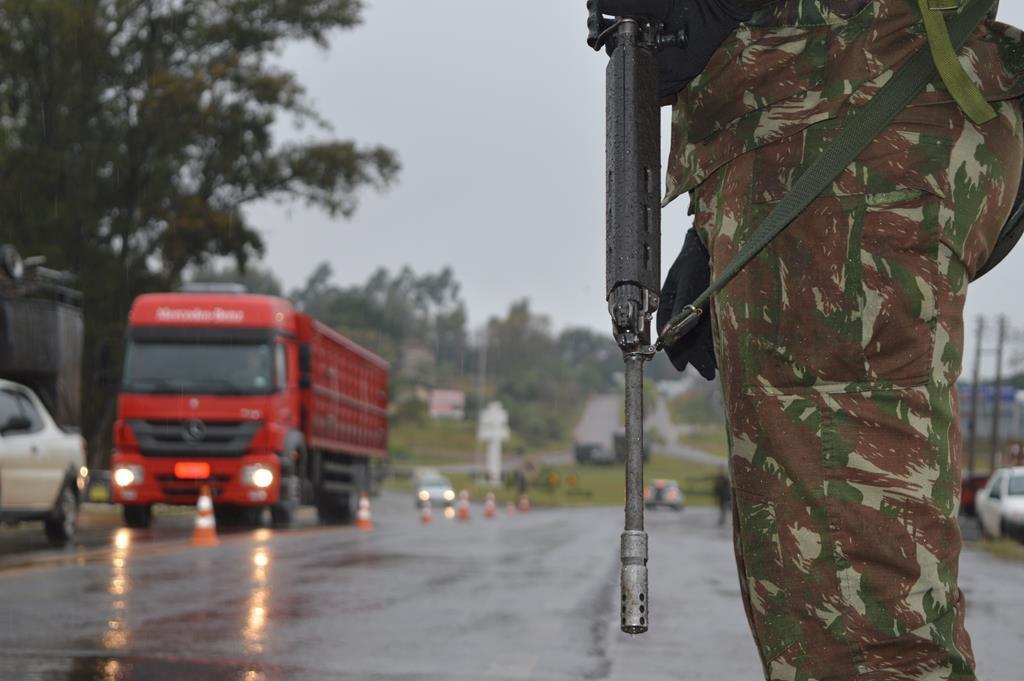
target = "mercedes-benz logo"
x: 193, y: 431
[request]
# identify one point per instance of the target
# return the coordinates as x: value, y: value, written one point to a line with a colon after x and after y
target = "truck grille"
x: 173, y: 487
x: 194, y: 437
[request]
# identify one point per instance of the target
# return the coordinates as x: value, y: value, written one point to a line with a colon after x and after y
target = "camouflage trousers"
x: 839, y: 349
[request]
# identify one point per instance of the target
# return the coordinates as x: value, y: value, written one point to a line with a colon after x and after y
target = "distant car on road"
x: 664, y: 493
x: 1000, y: 504
x: 435, y: 489
x: 42, y: 468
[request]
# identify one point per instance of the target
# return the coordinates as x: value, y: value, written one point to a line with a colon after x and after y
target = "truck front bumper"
x: 160, y: 484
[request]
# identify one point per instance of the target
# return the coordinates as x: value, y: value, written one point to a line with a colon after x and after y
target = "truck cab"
x: 209, y: 396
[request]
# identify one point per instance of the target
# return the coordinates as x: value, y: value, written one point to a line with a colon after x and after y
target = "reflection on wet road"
x: 116, y: 636
x: 530, y: 597
x: 256, y: 617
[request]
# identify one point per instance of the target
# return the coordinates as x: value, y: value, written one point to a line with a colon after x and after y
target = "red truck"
x: 264, y: 404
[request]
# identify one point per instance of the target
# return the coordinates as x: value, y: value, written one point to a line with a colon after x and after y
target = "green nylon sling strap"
x: 863, y: 127
x: 959, y: 84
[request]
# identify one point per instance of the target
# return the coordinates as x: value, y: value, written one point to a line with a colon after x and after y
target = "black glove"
x: 689, y: 275
x: 707, y: 24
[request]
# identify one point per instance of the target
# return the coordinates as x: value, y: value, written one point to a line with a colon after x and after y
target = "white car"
x: 434, y: 489
x: 42, y: 467
x: 1000, y: 504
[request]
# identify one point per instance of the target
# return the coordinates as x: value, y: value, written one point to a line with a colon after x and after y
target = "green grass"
x: 438, y: 443
x: 712, y: 441
x: 393, y: 484
x: 594, y: 485
x: 451, y: 440
x: 1005, y: 549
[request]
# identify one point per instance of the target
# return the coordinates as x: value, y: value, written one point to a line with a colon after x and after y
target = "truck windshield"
x: 211, y: 368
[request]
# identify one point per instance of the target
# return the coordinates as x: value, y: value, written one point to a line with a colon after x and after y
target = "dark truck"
x: 593, y: 453
x: 613, y: 452
x: 41, y: 332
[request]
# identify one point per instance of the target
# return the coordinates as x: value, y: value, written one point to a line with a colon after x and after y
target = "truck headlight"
x: 449, y: 495
x: 257, y: 475
x: 424, y: 495
x: 126, y: 476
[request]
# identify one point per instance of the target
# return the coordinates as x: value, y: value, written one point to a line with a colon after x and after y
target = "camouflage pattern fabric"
x: 840, y: 345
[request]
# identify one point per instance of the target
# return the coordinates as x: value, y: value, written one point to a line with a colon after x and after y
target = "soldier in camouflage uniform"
x: 841, y: 344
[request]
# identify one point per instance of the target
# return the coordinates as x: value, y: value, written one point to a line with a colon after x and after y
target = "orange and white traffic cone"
x: 510, y: 510
x: 524, y: 504
x: 463, y: 512
x: 205, y: 532
x: 363, y: 519
x: 489, y: 509
x: 426, y: 516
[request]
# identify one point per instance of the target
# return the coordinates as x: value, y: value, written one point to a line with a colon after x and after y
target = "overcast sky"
x: 497, y: 113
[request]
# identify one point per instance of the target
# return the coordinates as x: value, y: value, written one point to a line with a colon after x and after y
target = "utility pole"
x: 481, y: 378
x: 997, y: 400
x: 481, y: 385
x: 972, y: 422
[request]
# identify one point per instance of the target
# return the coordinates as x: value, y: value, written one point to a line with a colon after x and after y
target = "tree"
x: 531, y: 378
x: 255, y: 279
x: 134, y: 132
x: 520, y: 342
x: 592, y: 357
x: 391, y: 310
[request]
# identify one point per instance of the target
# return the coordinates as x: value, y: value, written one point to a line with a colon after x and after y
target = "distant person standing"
x: 723, y: 494
x: 520, y: 483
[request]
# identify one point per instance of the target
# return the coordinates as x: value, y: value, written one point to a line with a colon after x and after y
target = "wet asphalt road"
x: 528, y: 597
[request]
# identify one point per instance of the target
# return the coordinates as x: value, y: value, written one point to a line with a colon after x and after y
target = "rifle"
x: 633, y: 265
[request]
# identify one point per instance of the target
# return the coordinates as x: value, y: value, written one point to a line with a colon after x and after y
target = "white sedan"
x: 42, y: 467
x: 1000, y: 504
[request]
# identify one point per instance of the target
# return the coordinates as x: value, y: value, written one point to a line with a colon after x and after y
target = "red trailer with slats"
x: 241, y: 393
x: 344, y: 392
